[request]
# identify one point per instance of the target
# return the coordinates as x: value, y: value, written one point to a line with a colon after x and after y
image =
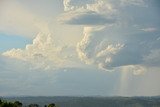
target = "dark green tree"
x: 52, y: 105
x: 17, y: 104
x: 7, y: 104
x: 0, y: 101
x: 33, y: 105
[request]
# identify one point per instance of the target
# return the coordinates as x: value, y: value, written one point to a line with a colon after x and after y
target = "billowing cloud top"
x: 44, y: 53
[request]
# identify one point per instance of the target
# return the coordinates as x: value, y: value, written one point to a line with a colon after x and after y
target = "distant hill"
x: 89, y: 101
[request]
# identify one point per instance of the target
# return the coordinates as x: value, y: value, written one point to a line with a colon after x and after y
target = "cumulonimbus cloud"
x: 43, y: 53
x: 108, y: 50
x: 117, y: 43
x: 111, y: 38
x: 91, y: 50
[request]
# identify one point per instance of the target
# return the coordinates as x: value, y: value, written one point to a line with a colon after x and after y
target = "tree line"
x: 19, y: 104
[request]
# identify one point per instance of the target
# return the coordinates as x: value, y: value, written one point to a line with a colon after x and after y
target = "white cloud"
x: 117, y: 44
x: 76, y: 4
x: 101, y: 6
x: 109, y: 11
x: 43, y: 53
x: 109, y: 48
x: 150, y: 29
x: 110, y: 37
x: 91, y: 52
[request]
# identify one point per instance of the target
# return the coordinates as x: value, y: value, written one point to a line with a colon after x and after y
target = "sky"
x: 79, y: 48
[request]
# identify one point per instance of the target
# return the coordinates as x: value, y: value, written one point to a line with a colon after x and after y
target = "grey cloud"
x: 18, y: 78
x: 86, y: 18
x: 124, y: 43
x: 21, y: 80
x: 118, y: 48
x: 136, y: 47
x: 153, y: 58
x: 133, y: 2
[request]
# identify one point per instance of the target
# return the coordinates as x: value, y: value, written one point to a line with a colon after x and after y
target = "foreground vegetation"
x: 19, y: 104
